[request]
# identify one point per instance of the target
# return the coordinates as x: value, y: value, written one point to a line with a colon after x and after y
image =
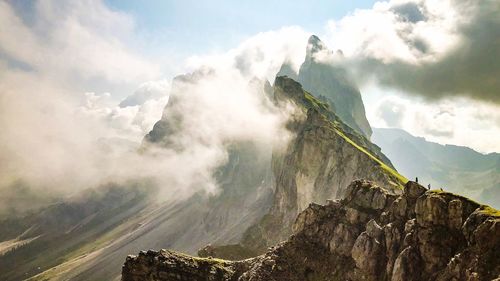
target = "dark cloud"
x: 409, y: 11
x: 472, y: 69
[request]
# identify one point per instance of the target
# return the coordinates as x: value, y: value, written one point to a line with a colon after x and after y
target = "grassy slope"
x: 354, y: 139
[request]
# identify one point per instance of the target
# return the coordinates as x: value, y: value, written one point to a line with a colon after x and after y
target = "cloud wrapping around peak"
x: 147, y: 91
x: 261, y: 55
x: 65, y: 126
x: 208, y: 114
x: 61, y: 134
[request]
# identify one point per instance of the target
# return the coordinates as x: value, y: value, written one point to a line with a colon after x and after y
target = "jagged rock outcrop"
x: 320, y: 161
x: 321, y: 75
x: 227, y: 252
x: 370, y: 234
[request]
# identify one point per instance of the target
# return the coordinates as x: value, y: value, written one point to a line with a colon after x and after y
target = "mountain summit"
x: 321, y: 76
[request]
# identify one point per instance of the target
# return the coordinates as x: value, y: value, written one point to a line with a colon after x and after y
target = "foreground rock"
x: 369, y: 235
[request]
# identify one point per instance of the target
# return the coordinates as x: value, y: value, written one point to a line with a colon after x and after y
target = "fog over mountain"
x: 220, y: 129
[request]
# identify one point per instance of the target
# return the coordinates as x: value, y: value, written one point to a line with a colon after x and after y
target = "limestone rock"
x: 334, y: 85
x: 319, y: 163
x: 413, y: 190
x: 343, y: 239
x: 407, y: 266
x: 368, y: 253
x: 431, y: 210
x: 330, y: 244
x: 374, y: 230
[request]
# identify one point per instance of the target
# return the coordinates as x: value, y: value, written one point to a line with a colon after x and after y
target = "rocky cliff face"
x: 370, y: 234
x: 262, y: 190
x: 321, y: 76
x: 322, y: 159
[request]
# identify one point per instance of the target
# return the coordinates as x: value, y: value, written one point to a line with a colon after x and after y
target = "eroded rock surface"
x: 321, y: 160
x: 371, y: 234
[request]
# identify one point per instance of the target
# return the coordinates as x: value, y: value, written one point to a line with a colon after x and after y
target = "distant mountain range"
x: 454, y: 168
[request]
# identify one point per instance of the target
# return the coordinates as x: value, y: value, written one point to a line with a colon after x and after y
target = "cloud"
x: 130, y: 122
x: 209, y: 112
x: 392, y: 113
x: 262, y: 54
x: 434, y: 49
x: 147, y: 91
x: 222, y: 104
x: 459, y: 121
x: 50, y: 54
x: 73, y: 40
x: 61, y: 133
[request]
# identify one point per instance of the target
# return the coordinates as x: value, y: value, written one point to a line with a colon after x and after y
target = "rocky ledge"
x: 369, y: 235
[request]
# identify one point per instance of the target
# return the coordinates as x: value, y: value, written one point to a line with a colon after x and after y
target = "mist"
x: 60, y: 137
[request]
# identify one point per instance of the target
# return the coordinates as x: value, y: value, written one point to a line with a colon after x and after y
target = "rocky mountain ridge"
x: 370, y: 234
x: 322, y: 159
x: 323, y: 75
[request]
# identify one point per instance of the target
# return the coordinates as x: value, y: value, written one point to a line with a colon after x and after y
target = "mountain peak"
x: 313, y: 39
x: 314, y: 45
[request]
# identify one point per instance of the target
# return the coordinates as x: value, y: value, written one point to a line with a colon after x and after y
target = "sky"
x: 206, y: 26
x: 77, y: 73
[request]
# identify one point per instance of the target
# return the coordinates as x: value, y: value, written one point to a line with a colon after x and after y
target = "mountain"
x: 455, y: 168
x: 382, y: 229
x: 259, y: 185
x: 45, y: 238
x: 369, y: 235
x: 187, y: 224
x: 263, y: 189
x: 324, y: 156
x: 322, y: 75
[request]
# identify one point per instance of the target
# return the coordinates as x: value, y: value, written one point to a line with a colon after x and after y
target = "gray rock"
x: 329, y: 244
x: 343, y: 240
x: 413, y: 190
x: 374, y: 230
x: 368, y: 254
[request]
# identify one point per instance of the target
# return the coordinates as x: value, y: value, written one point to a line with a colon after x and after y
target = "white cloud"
x: 147, y: 91
x: 262, y: 54
x: 52, y: 135
x: 128, y: 122
x: 410, y: 31
x: 67, y: 39
x: 57, y: 137
x: 208, y: 114
x: 459, y: 121
x: 426, y: 66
